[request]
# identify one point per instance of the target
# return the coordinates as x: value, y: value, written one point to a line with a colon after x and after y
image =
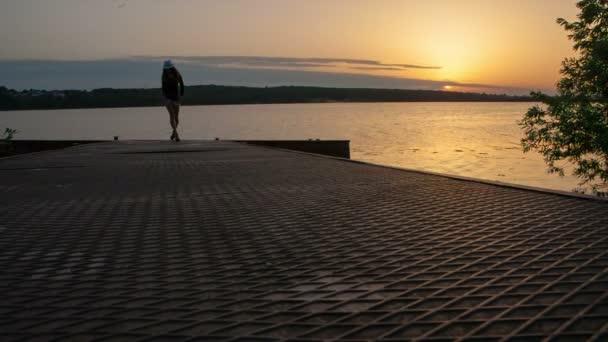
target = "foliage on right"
x: 573, y: 125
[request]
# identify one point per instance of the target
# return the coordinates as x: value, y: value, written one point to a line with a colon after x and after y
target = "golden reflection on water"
x: 479, y: 140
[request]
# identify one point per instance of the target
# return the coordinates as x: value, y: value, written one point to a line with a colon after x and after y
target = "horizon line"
x: 271, y: 87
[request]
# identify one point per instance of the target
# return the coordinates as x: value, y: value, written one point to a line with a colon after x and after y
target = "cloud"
x: 376, y: 68
x: 146, y: 72
x: 286, y: 62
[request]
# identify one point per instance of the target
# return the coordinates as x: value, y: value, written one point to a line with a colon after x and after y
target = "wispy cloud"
x: 291, y: 62
x: 145, y: 73
x: 376, y: 68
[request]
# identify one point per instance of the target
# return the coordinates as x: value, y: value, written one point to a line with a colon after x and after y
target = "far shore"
x: 230, y: 95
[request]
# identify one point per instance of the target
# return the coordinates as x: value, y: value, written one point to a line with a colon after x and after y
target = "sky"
x: 496, y: 46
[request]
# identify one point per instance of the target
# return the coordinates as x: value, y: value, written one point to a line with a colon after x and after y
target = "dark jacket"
x: 173, y: 85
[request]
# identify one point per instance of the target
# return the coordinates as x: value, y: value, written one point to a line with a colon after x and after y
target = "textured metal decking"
x: 219, y: 241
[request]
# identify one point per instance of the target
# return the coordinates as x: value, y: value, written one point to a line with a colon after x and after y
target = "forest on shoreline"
x: 11, y: 99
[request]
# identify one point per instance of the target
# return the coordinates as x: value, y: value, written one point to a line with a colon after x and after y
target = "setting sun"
x: 447, y: 87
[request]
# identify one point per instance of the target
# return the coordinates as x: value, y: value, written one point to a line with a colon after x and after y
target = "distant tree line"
x: 218, y: 95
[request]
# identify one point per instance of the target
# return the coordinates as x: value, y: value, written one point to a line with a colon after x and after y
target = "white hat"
x: 168, y: 64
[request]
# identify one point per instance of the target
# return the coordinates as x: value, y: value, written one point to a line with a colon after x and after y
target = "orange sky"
x: 511, y: 43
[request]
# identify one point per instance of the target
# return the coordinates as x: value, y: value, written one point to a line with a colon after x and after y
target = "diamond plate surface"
x: 215, y: 241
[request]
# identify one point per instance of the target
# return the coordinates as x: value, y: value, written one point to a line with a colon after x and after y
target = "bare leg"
x: 171, y: 118
x: 176, y: 117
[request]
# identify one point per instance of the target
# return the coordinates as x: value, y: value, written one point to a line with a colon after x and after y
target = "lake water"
x: 479, y: 140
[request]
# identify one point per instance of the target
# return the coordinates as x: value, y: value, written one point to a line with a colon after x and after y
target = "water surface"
x: 479, y: 140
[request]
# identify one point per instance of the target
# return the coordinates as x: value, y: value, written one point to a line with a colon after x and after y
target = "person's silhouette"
x: 173, y: 89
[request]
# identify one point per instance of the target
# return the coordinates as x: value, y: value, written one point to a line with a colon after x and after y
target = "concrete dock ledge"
x: 334, y: 148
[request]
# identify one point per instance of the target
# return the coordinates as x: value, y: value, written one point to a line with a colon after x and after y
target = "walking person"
x: 173, y: 89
